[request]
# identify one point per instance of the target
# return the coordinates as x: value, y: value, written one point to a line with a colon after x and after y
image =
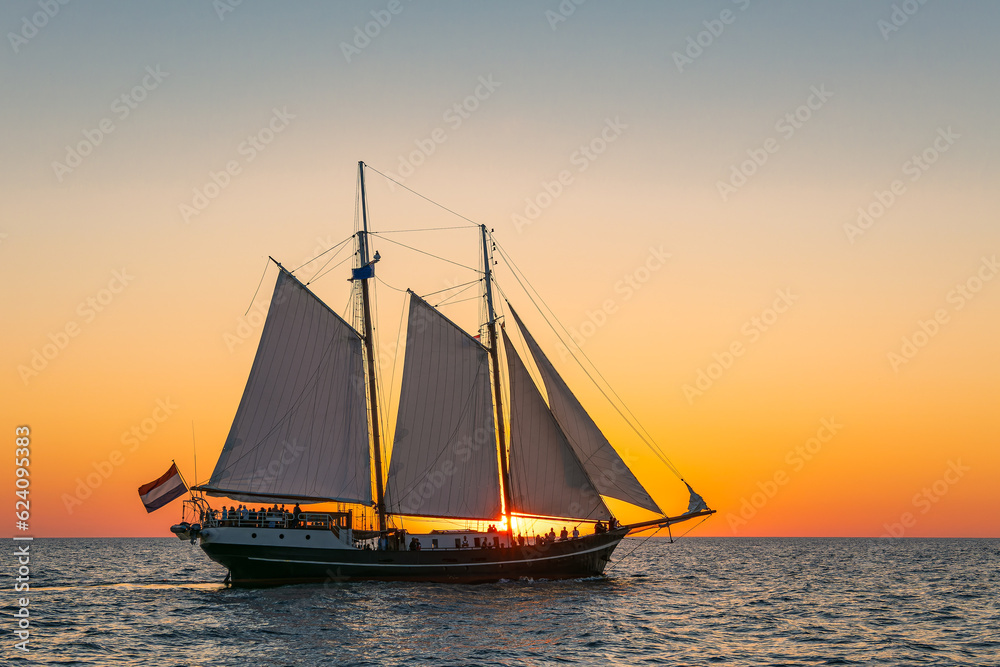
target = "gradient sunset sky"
x: 773, y: 226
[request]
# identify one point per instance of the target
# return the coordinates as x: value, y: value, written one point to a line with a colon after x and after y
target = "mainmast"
x: 367, y: 273
x: 491, y: 324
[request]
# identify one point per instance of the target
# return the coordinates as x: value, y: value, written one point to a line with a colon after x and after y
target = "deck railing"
x: 314, y: 520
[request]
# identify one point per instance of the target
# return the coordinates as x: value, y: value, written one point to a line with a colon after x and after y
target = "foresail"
x: 547, y: 479
x: 444, y: 456
x: 695, y: 502
x: 301, y: 429
x: 604, y: 466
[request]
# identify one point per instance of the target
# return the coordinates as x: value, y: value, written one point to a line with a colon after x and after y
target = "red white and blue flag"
x: 168, y: 487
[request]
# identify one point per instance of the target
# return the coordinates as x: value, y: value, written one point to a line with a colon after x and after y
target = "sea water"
x: 697, y: 601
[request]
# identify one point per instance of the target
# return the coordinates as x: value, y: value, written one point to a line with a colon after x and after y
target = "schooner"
x: 475, y: 440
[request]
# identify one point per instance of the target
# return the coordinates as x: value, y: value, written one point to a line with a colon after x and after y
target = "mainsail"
x: 301, y: 429
x: 603, y: 464
x: 547, y: 479
x: 444, y: 456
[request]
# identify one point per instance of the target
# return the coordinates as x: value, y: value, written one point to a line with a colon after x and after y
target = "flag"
x: 365, y: 272
x: 168, y: 487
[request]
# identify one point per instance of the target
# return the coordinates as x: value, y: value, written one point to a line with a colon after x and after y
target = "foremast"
x: 491, y: 324
x: 366, y: 273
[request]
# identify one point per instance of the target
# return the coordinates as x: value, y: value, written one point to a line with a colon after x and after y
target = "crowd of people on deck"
x: 275, y: 516
x: 492, y: 539
x: 564, y: 535
x: 545, y: 538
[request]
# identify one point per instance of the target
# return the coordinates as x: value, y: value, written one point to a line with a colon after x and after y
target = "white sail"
x: 444, y: 456
x: 546, y: 477
x: 301, y: 429
x: 695, y: 502
x: 603, y: 464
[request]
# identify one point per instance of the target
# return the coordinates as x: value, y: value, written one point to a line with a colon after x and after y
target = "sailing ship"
x: 475, y: 441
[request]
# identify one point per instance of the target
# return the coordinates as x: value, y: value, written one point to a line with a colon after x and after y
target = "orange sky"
x: 811, y: 369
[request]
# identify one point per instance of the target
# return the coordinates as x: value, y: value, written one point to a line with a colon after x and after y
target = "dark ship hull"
x: 263, y: 565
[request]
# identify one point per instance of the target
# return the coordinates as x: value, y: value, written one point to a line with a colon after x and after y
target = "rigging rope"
x: 318, y: 271
x: 332, y: 257
x: 261, y: 282
x: 633, y: 423
x: 421, y: 196
x: 425, y: 229
x: 424, y: 297
x: 672, y: 540
x: 622, y: 559
x: 323, y: 253
x: 378, y: 278
x: 446, y: 303
x: 452, y: 296
x: 424, y: 252
x: 315, y: 278
x: 347, y: 306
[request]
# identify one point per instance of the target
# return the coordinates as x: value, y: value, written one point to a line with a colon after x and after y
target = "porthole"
x: 281, y: 536
x: 308, y: 537
x: 253, y: 534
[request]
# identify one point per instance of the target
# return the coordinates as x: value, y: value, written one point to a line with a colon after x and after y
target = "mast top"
x: 487, y: 265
